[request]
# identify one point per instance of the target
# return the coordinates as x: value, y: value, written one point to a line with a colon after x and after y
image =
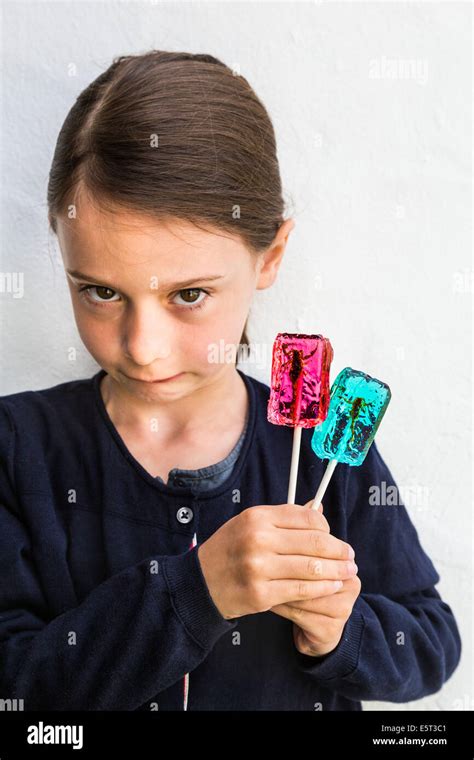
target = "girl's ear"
x: 288, y: 225
x: 271, y: 258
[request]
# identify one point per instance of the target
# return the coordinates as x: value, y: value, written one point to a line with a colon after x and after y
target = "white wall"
x: 376, y: 163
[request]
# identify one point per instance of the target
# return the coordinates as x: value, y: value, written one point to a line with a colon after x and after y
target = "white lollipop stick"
x: 295, y: 458
x: 324, y: 484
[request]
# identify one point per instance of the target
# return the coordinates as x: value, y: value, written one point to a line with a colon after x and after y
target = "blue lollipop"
x: 357, y: 405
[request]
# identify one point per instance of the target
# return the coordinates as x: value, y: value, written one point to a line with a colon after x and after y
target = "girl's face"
x: 155, y: 300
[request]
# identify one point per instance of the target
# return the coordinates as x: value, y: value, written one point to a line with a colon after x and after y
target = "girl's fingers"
x: 311, y: 543
x: 298, y: 516
x: 283, y: 591
x: 346, y: 597
x: 307, y: 569
x: 310, y: 505
x: 309, y: 605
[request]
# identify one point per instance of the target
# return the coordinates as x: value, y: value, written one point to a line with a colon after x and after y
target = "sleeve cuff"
x: 344, y: 659
x: 192, y: 601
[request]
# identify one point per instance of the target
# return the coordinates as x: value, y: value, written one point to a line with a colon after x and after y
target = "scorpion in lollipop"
x: 297, y: 365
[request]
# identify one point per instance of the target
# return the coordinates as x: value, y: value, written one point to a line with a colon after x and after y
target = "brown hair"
x: 172, y: 135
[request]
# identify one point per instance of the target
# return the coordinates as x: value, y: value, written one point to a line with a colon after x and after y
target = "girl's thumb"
x: 310, y: 503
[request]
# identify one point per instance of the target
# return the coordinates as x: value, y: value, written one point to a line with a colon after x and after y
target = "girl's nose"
x: 147, y: 334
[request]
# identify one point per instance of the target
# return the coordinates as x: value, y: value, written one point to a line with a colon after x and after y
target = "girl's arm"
x: 401, y: 641
x: 134, y: 635
x: 391, y: 650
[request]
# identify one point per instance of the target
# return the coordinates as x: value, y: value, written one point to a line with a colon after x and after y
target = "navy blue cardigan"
x: 104, y: 606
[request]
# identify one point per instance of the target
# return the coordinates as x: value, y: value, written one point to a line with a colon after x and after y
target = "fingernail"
x: 352, y: 567
x: 351, y: 552
x: 337, y: 584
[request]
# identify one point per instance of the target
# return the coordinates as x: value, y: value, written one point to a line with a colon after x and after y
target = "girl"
x: 148, y: 557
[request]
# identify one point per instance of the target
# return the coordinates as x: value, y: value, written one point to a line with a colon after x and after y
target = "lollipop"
x: 299, y: 395
x: 357, y: 405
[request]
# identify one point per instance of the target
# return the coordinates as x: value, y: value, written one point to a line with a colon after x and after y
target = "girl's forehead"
x: 91, y: 227
x: 86, y: 221
x: 123, y: 252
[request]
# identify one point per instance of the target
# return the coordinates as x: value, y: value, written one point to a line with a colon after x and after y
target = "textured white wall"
x: 371, y: 105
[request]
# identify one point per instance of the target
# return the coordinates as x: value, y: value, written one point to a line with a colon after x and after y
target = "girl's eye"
x: 192, y: 294
x: 105, y: 294
x: 189, y: 296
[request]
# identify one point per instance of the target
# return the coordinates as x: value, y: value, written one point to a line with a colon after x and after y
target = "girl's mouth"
x: 152, y: 382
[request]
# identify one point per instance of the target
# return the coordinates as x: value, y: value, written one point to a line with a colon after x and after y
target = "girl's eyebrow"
x: 165, y: 286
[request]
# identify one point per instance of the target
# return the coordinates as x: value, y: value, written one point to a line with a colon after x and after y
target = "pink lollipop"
x: 300, y: 391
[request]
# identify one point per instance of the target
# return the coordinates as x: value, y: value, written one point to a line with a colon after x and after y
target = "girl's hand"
x: 318, y: 623
x: 268, y: 555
